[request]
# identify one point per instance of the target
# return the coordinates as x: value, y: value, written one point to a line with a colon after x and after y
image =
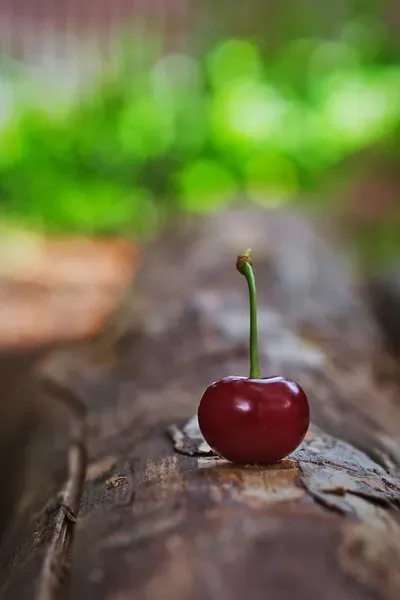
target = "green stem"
x: 244, y: 266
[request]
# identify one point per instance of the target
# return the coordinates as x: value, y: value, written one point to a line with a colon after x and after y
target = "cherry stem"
x: 244, y: 266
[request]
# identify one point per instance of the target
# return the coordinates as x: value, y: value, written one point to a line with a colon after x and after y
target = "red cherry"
x: 254, y: 421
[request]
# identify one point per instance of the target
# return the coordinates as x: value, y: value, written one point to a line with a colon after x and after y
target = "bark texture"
x: 161, y: 517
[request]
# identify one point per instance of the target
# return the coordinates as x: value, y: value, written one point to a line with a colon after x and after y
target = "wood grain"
x: 157, y: 521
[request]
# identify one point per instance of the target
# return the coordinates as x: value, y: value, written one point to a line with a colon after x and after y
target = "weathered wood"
x: 157, y: 522
x: 55, y: 576
x: 33, y: 441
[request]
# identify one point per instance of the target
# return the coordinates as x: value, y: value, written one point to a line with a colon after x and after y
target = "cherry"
x: 253, y: 420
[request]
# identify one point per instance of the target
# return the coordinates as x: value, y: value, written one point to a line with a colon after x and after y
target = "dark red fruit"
x: 254, y: 421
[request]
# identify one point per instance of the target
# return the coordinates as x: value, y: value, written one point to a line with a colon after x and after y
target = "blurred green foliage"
x: 183, y: 132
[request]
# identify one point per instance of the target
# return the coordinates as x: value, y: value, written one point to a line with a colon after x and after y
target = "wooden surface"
x: 158, y: 521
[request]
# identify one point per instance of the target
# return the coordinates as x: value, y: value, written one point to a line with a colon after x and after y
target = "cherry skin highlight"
x: 254, y: 421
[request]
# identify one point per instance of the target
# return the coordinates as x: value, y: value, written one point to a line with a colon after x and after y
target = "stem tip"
x: 244, y: 259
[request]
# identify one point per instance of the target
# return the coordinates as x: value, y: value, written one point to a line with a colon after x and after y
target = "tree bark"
x: 161, y: 517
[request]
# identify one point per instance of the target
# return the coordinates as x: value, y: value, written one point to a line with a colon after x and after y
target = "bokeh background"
x: 116, y: 117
